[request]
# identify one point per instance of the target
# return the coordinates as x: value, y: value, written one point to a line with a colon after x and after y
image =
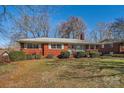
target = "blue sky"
x: 90, y: 14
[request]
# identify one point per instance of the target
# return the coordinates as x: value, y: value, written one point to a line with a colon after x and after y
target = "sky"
x: 90, y: 14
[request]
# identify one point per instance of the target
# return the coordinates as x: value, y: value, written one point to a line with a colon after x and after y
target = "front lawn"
x: 84, y: 72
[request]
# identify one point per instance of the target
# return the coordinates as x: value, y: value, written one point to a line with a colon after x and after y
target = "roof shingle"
x: 54, y: 40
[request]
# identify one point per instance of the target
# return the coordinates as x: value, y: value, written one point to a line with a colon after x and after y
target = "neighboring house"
x: 45, y: 46
x: 112, y: 46
x: 4, y: 56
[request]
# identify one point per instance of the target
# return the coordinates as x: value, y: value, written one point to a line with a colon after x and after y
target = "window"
x: 29, y: 45
x: 59, y: 46
x: 56, y: 46
x: 36, y: 46
x: 97, y: 46
x: 78, y: 47
x: 122, y: 45
x: 87, y: 46
x: 22, y: 45
x: 53, y: 45
x: 111, y: 45
x: 102, y: 45
x: 91, y: 46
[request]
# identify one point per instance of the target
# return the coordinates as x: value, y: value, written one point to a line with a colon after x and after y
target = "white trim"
x: 39, y: 46
x: 25, y: 45
x: 62, y: 46
x: 49, y: 46
x: 103, y: 45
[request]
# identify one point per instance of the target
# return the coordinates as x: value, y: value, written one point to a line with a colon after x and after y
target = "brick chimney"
x: 81, y: 36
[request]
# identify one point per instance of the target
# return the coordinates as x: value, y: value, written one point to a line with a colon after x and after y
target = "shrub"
x: 28, y: 57
x: 38, y: 56
x: 80, y: 54
x: 64, y: 54
x: 50, y: 56
x: 106, y: 55
x: 34, y: 56
x: 118, y: 55
x: 16, y: 55
x: 94, y: 54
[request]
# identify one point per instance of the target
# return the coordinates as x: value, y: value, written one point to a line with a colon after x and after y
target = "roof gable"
x: 2, y: 52
x: 112, y: 41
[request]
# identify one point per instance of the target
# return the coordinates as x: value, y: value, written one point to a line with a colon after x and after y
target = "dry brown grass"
x: 84, y: 72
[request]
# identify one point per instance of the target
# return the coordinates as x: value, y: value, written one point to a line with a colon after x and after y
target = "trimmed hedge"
x: 64, y: 54
x: 17, y: 55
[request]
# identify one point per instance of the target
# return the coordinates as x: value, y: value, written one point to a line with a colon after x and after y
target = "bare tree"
x: 31, y: 21
x: 64, y: 30
x: 71, y: 28
x: 77, y: 26
x: 102, y: 31
x: 33, y: 26
x: 117, y: 28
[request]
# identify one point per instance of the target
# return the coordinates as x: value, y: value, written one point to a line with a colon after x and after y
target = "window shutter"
x: 49, y: 46
x: 62, y: 46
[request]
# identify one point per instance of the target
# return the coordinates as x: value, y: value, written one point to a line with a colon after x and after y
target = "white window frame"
x: 56, y: 47
x: 32, y: 46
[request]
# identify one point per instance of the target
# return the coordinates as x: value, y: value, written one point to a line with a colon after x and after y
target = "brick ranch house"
x: 54, y: 46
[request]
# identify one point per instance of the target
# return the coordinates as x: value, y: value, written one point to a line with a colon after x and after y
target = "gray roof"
x: 3, y: 51
x: 54, y: 40
x: 107, y: 41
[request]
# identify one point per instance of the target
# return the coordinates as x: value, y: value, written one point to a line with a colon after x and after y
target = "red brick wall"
x: 55, y: 52
x: 121, y: 50
x: 44, y: 50
x: 116, y: 47
x: 107, y: 49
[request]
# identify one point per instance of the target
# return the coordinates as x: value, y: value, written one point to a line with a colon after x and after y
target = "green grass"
x: 82, y: 72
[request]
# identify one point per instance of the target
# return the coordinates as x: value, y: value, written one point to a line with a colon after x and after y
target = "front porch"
x: 84, y: 47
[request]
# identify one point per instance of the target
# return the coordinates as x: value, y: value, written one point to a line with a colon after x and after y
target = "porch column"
x: 39, y: 46
x: 94, y: 47
x: 89, y: 47
x: 25, y: 45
